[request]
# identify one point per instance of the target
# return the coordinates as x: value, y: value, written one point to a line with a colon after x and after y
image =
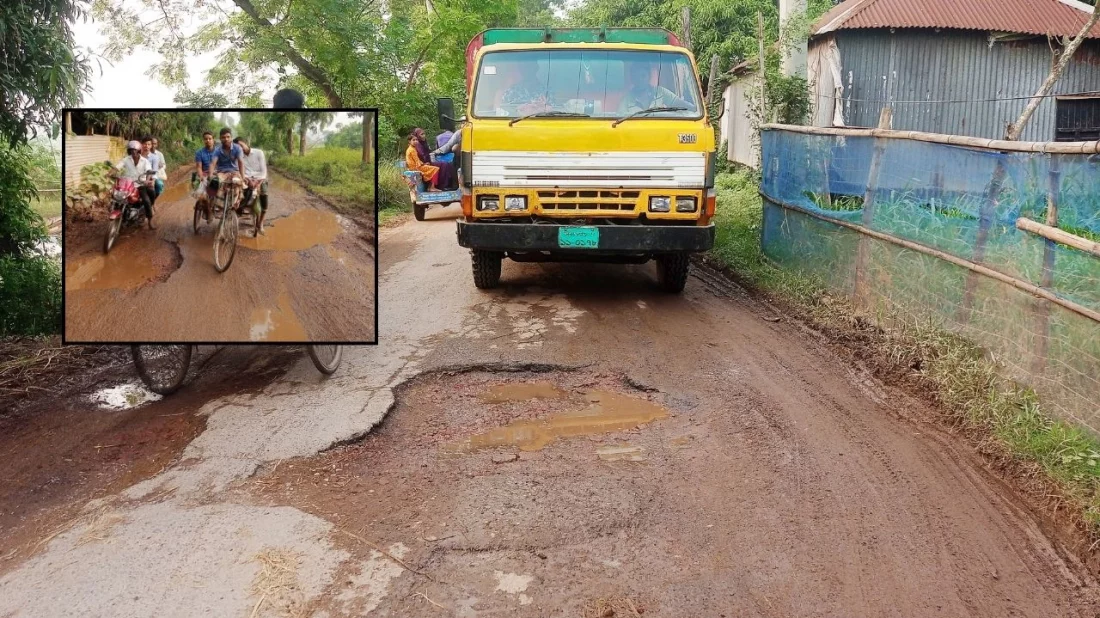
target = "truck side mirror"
x: 446, y: 110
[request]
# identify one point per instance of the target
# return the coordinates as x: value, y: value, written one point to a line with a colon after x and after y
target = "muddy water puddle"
x: 606, y: 412
x: 304, y: 229
x: 129, y: 265
x: 278, y: 324
x: 175, y: 192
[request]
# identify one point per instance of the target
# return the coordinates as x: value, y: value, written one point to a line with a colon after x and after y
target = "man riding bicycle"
x: 227, y: 166
x: 203, y: 158
x: 255, y: 178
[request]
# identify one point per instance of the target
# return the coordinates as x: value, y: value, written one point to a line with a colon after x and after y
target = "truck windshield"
x: 597, y: 84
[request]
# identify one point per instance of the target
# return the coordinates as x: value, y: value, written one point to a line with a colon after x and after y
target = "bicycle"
x: 163, y: 368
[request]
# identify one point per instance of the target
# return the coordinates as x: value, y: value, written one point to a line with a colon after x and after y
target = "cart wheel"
x: 326, y: 358
x: 418, y: 211
x: 225, y: 240
x: 162, y: 368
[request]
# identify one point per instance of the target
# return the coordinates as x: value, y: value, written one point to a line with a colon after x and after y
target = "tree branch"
x: 308, y: 70
x: 416, y: 66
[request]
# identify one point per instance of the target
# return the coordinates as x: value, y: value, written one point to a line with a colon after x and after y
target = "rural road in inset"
x: 310, y: 277
x: 571, y: 444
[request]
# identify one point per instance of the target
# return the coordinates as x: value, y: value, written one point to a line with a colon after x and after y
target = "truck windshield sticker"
x: 490, y: 70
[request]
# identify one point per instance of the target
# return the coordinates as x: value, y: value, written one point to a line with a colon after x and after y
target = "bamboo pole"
x: 885, y: 121
x: 947, y: 257
x: 1059, y: 236
x: 950, y: 140
x: 1042, y: 310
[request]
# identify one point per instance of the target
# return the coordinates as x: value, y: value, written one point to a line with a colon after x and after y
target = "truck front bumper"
x: 613, y: 239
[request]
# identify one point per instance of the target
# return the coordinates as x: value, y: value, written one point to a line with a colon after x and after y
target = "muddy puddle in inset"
x: 278, y: 324
x: 304, y: 229
x: 131, y: 263
x: 175, y: 192
x: 606, y: 412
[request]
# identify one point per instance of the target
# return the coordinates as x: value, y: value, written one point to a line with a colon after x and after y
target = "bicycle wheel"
x: 225, y: 240
x: 326, y: 358
x: 162, y: 368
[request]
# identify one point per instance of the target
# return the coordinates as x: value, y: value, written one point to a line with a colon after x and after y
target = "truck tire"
x: 672, y: 272
x: 486, y: 268
x: 418, y: 211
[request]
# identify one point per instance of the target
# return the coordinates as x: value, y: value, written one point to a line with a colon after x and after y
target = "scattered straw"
x: 277, y: 583
x: 421, y: 594
x: 385, y: 553
x: 617, y: 607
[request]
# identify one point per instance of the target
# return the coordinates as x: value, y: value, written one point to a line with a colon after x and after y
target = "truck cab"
x: 585, y: 145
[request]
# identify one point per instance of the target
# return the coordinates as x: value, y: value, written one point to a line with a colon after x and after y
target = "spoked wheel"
x: 326, y: 358
x: 112, y: 234
x: 162, y: 367
x: 198, y: 216
x: 225, y: 241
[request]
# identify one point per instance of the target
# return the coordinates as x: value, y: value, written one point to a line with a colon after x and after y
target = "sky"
x: 124, y: 84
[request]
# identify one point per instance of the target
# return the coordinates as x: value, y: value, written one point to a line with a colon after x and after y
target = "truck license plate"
x: 578, y: 237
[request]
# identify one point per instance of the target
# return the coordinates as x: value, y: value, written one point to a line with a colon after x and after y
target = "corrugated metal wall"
x: 742, y: 144
x: 81, y: 150
x: 925, y: 65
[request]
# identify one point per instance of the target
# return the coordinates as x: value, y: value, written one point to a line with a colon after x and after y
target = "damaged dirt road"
x: 574, y: 444
x: 310, y: 277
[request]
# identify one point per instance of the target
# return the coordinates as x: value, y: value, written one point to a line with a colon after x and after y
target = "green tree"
x: 308, y: 121
x: 202, y: 99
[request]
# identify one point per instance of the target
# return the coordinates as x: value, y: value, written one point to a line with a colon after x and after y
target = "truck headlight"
x: 685, y: 204
x: 488, y: 203
x: 515, y: 202
x: 659, y: 204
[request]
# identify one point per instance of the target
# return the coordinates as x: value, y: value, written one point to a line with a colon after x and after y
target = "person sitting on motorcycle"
x: 134, y: 167
x: 255, y: 178
x: 203, y: 158
x: 156, y: 162
x: 162, y: 173
x: 228, y: 162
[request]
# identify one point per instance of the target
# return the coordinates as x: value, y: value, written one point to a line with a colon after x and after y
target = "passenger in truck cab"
x: 644, y: 90
x: 527, y: 93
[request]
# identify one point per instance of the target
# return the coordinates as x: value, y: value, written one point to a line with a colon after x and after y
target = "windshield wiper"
x: 651, y: 110
x: 549, y: 114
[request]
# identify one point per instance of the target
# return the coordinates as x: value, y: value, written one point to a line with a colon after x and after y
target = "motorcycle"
x: 127, y: 208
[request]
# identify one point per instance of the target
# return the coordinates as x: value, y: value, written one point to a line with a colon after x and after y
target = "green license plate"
x: 579, y: 237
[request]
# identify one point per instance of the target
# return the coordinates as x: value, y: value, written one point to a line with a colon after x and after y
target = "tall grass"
x: 338, y: 174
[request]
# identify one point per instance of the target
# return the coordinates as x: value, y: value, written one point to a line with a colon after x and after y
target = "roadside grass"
x: 337, y: 174
x: 393, y: 193
x: 1003, y: 419
x: 47, y: 205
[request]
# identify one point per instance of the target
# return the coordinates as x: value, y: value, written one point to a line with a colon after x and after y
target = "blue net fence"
x: 933, y: 230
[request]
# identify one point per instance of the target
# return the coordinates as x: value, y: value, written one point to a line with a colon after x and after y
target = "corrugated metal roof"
x: 1039, y: 17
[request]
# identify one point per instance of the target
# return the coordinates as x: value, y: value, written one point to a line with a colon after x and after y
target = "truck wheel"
x: 418, y: 211
x: 486, y: 268
x: 672, y: 272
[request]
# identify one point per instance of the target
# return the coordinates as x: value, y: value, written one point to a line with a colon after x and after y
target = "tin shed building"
x: 963, y: 67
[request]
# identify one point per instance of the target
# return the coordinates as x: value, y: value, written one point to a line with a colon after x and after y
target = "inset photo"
x: 219, y: 226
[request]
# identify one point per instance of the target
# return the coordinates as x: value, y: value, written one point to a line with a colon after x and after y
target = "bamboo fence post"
x: 860, y: 291
x: 1042, y: 309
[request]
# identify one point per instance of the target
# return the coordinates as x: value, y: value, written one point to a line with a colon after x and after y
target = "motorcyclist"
x: 255, y: 178
x: 134, y: 167
x: 227, y: 165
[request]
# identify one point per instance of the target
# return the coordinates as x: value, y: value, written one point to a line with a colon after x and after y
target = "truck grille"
x: 616, y: 201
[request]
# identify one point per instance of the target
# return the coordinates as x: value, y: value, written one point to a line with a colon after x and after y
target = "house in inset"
x: 963, y: 67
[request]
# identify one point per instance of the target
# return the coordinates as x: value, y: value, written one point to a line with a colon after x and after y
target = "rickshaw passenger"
x: 414, y: 163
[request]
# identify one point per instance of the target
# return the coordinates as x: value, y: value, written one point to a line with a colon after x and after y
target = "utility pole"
x: 685, y: 25
x: 794, y: 51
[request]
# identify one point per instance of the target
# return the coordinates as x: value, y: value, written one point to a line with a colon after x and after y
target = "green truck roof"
x: 639, y: 36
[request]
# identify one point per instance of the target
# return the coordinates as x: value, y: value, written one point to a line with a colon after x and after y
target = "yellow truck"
x: 585, y: 145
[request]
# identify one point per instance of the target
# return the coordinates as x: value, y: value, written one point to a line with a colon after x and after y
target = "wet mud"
x: 309, y: 277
